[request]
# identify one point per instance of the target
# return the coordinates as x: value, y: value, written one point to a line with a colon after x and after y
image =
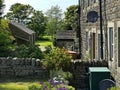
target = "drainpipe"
x: 79, y: 28
x: 101, y: 31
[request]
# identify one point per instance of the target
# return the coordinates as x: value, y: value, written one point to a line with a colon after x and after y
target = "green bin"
x: 97, y: 74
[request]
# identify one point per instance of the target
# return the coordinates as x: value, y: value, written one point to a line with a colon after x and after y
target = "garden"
x: 34, y: 84
x: 55, y: 60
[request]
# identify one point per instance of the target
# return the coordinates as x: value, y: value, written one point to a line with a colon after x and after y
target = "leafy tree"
x: 5, y: 35
x: 71, y: 17
x: 26, y: 14
x: 20, y: 12
x: 38, y: 23
x: 54, y: 16
x: 5, y: 38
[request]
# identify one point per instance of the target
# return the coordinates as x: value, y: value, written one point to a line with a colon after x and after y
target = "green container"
x: 97, y: 74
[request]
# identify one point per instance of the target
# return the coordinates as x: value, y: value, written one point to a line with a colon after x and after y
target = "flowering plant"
x: 52, y: 84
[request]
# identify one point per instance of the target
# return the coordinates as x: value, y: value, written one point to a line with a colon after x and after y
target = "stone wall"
x: 24, y: 67
x: 80, y: 71
x: 18, y: 67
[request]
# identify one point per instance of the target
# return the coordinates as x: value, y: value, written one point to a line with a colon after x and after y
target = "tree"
x: 38, y: 23
x: 54, y: 16
x: 35, y: 20
x: 5, y: 38
x: 20, y: 12
x: 5, y: 35
x: 71, y: 17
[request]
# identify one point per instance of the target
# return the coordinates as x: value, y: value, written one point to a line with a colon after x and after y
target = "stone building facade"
x: 91, y: 36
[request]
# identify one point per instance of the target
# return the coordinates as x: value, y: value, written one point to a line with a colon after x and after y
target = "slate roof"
x: 66, y: 34
x: 21, y: 27
x: 22, y: 33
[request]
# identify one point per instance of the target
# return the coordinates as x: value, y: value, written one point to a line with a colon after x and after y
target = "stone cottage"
x: 91, y: 33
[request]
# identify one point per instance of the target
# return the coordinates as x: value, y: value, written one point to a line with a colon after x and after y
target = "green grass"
x: 45, y: 41
x: 14, y: 86
x: 17, y: 84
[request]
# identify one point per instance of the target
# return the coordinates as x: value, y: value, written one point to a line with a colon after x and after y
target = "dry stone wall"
x: 18, y: 67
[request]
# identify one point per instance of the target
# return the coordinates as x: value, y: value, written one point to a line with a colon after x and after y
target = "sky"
x: 43, y: 5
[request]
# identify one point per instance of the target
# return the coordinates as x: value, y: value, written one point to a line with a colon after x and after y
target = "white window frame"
x: 109, y: 47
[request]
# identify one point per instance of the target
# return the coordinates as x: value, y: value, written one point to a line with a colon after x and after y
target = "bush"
x: 60, y: 76
x: 57, y: 59
x: 29, y: 52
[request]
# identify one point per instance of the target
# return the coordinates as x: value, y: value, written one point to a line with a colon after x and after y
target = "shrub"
x: 24, y: 51
x: 57, y: 59
x: 60, y: 76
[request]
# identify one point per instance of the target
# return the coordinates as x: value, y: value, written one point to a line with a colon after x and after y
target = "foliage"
x: 5, y: 38
x: 71, y: 17
x: 48, y: 49
x: 54, y: 17
x: 34, y: 87
x: 51, y: 85
x: 20, y: 12
x: 29, y: 52
x: 114, y: 88
x: 25, y: 14
x: 38, y: 23
x: 57, y: 59
x: 54, y: 13
x: 60, y: 76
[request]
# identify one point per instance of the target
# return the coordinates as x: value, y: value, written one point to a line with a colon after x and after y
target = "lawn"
x: 17, y: 84
x: 45, y: 41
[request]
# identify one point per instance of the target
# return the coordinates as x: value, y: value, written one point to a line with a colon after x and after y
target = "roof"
x: 65, y: 34
x: 21, y: 27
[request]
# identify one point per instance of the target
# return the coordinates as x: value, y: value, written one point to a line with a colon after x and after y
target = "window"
x: 119, y: 46
x: 110, y: 42
x: 99, y: 47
